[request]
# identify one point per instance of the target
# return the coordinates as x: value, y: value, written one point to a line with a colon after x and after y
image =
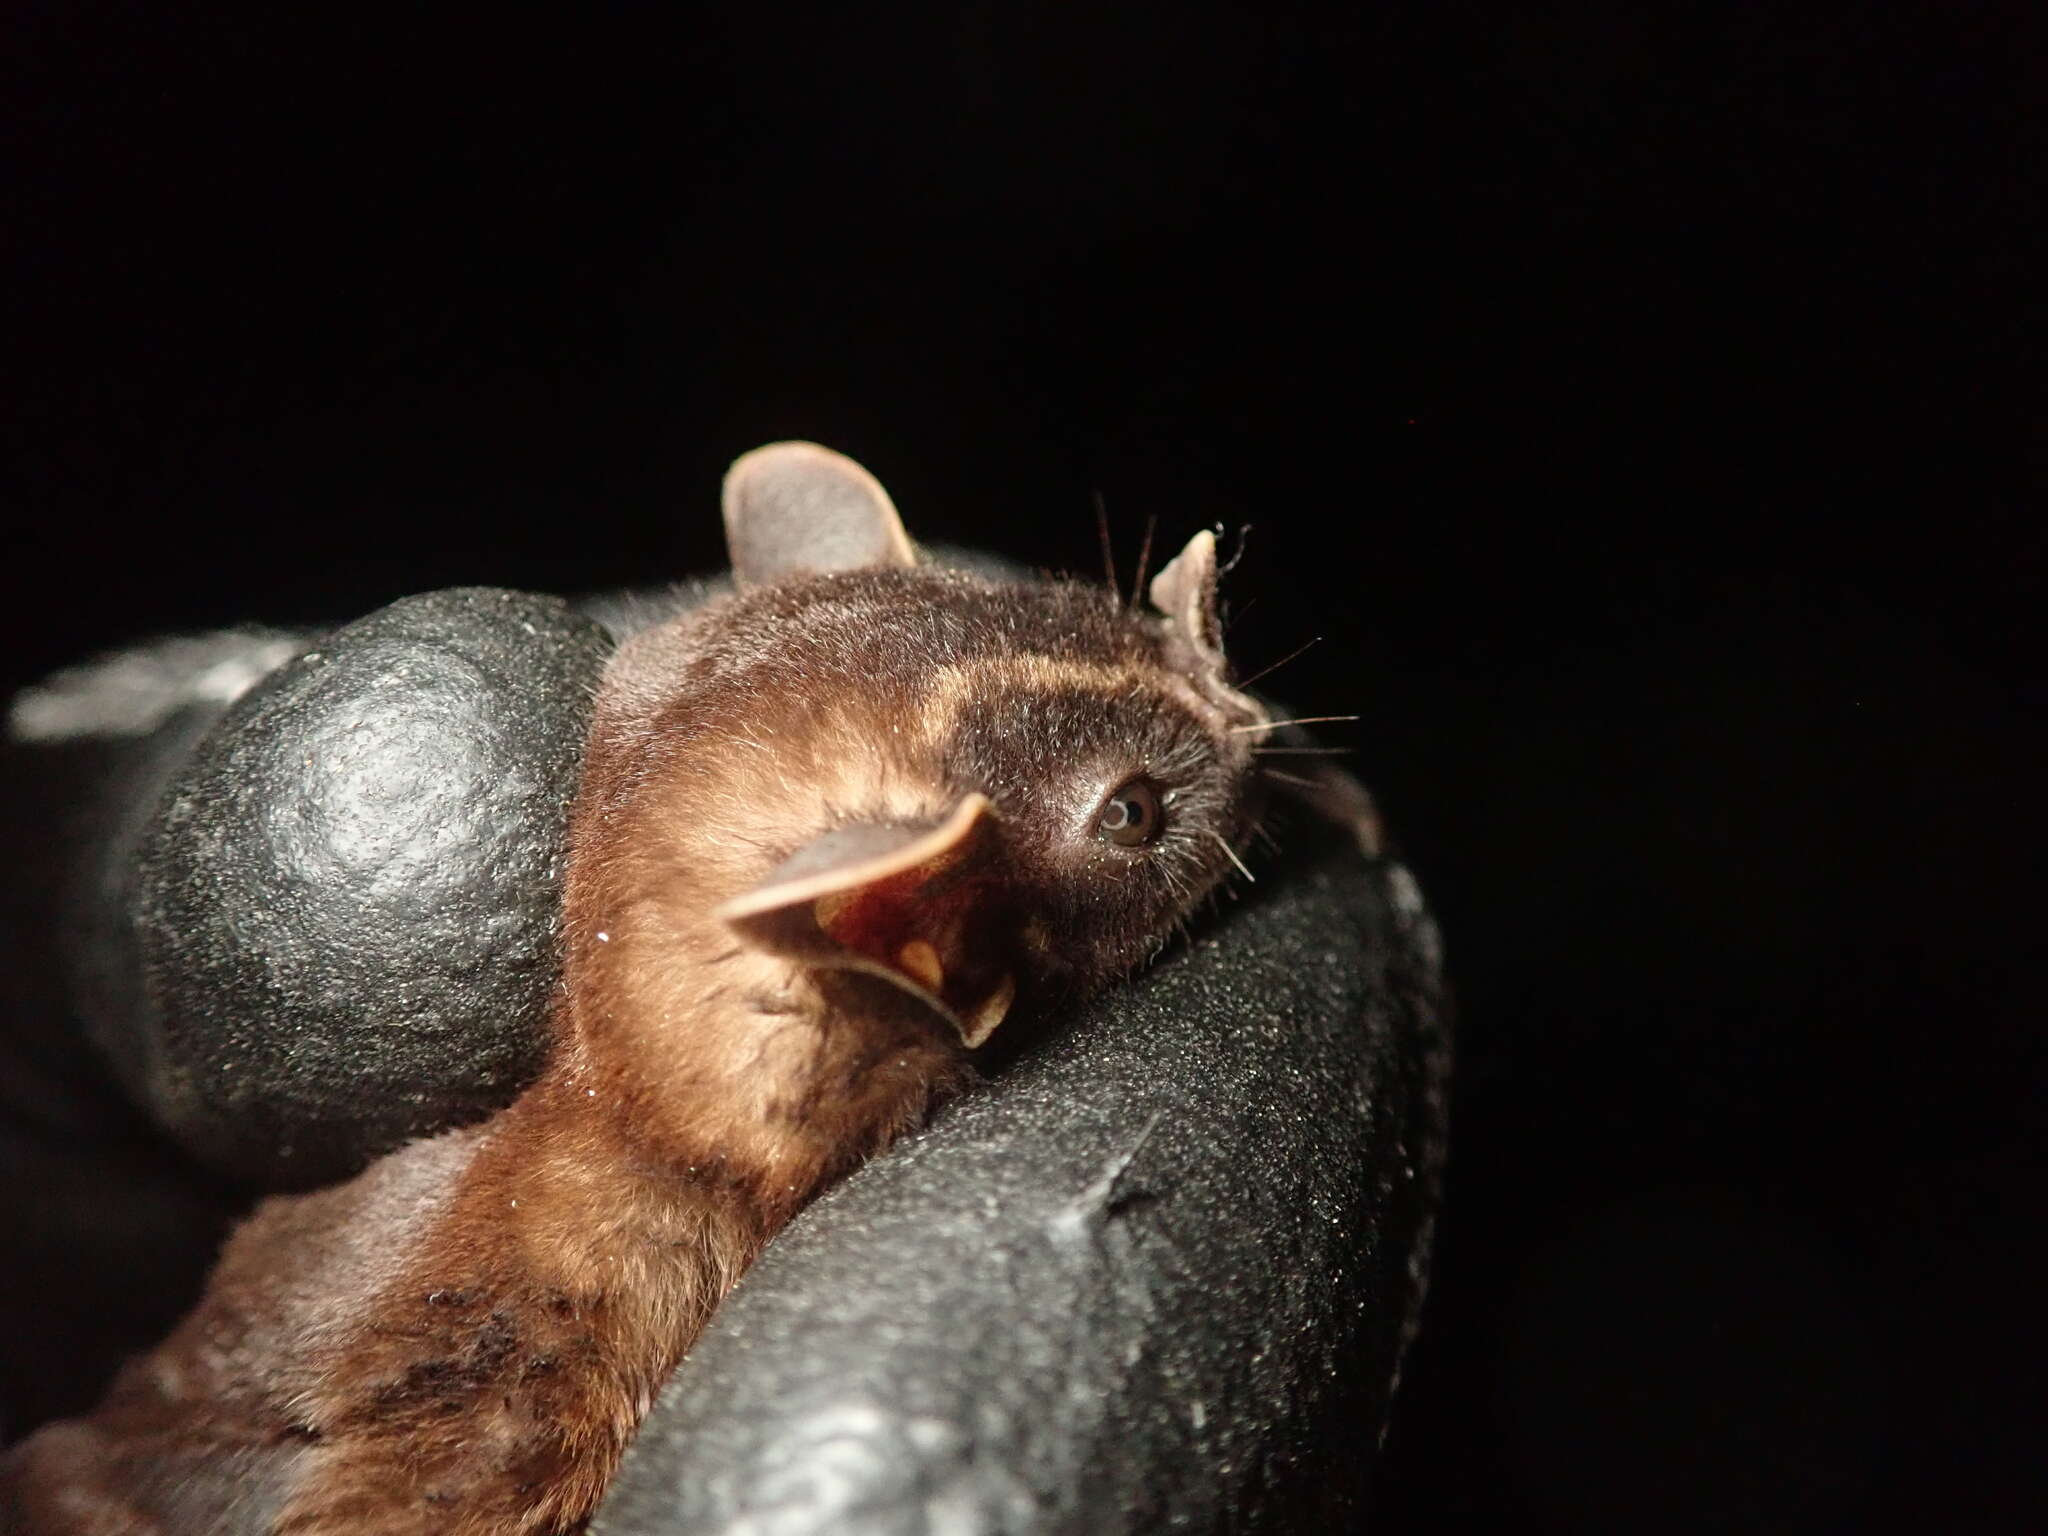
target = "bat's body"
x: 830, y: 829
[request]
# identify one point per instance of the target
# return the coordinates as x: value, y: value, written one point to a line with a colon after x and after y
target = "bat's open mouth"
x: 920, y: 907
x: 974, y: 1024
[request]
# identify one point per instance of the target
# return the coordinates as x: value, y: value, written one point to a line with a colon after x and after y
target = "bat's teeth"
x: 920, y: 962
x: 994, y: 1009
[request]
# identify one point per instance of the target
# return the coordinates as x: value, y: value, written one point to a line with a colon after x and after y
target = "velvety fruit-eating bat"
x: 832, y: 829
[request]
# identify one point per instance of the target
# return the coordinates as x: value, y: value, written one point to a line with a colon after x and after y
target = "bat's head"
x: 976, y: 791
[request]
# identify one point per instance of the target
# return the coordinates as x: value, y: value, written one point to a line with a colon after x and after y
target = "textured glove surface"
x: 346, y: 901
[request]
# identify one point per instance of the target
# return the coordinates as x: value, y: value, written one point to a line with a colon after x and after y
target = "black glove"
x: 1161, y: 1270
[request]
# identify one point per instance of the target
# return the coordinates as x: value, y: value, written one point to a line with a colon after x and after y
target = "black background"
x: 1643, y: 406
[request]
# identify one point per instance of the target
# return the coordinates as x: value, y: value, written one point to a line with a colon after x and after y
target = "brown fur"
x: 464, y: 1338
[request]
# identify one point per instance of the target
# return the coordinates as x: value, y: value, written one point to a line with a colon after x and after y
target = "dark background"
x: 1645, y: 408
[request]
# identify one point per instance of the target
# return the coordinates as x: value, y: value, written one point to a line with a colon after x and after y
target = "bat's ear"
x: 795, y: 509
x: 920, y: 906
x: 1185, y: 591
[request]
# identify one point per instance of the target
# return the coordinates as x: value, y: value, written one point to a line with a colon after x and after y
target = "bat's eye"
x: 1131, y: 815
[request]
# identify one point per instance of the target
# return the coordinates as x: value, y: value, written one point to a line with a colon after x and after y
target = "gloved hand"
x: 1162, y: 1269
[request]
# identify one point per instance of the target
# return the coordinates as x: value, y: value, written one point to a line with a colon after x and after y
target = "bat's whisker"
x: 1231, y: 854
x: 1108, y: 551
x: 1288, y: 778
x: 1276, y: 666
x: 1144, y: 560
x: 1274, y: 725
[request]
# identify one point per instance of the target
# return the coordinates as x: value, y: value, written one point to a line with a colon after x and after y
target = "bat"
x: 834, y: 828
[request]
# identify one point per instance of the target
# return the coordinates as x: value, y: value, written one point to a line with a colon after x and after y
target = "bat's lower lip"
x: 973, y: 1022
x: 918, y: 964
x: 926, y: 909
x: 994, y: 1008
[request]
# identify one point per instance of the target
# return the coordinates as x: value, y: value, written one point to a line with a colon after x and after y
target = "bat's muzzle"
x: 926, y: 908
